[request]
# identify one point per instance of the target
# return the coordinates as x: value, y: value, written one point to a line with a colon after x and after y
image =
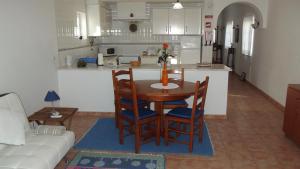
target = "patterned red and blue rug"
x: 104, y: 136
x: 95, y: 160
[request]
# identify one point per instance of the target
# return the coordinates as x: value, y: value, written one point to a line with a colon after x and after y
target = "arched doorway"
x: 235, y: 36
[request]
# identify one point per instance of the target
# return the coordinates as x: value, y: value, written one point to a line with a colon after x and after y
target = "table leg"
x: 158, y: 106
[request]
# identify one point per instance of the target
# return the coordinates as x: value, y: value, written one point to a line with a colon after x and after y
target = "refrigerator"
x: 190, y: 52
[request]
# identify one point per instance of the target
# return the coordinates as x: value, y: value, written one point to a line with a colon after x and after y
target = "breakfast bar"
x: 91, y: 88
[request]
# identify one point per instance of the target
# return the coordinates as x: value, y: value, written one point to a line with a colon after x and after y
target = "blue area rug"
x: 94, y: 160
x: 104, y: 136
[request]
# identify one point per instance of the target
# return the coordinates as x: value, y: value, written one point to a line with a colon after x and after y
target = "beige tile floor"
x: 251, y: 138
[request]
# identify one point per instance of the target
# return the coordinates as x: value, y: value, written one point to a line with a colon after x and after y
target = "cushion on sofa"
x: 13, y: 103
x: 11, y: 128
x: 50, y: 130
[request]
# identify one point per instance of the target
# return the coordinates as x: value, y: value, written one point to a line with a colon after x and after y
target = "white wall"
x: 27, y: 50
x: 276, y: 61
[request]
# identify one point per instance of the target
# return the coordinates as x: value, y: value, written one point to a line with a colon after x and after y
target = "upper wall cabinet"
x: 176, y: 22
x: 186, y: 21
x: 192, y: 21
x: 97, y: 19
x: 131, y: 10
x: 160, y: 21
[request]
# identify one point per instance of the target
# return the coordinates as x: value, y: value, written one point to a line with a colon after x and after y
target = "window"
x: 80, y: 29
x: 229, y: 34
x: 248, y: 36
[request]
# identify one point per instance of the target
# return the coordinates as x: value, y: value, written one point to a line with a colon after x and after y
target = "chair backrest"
x: 125, y: 88
x: 176, y: 75
x: 200, y: 96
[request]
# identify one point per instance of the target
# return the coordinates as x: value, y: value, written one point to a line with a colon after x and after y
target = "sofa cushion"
x: 39, y: 152
x: 50, y: 130
x: 11, y: 128
x: 13, y: 103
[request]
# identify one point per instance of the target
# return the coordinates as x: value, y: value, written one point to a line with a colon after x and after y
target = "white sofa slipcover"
x: 39, y: 151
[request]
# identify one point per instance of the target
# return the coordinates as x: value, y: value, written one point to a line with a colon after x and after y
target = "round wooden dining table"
x: 158, y: 96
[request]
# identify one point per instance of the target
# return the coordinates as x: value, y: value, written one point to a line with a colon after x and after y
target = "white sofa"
x: 39, y: 151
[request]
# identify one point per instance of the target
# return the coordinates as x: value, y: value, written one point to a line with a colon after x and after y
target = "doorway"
x: 235, y: 37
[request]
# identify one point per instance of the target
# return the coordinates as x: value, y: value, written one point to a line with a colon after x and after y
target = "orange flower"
x: 165, y: 45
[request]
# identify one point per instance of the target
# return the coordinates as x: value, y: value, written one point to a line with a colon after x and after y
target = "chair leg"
x: 121, y: 131
x: 137, y: 138
x: 191, y: 138
x: 166, y: 134
x: 158, y: 131
x: 200, y: 129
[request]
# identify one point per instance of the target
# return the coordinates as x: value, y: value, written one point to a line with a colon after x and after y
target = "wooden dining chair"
x: 193, y: 117
x: 175, y: 76
x: 121, y: 75
x: 142, y: 122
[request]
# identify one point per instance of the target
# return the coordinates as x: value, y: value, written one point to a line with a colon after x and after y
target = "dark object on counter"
x: 81, y: 63
x: 291, y: 123
x: 110, y: 51
x: 133, y: 27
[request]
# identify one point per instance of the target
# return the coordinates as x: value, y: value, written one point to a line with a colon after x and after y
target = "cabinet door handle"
x: 166, y: 29
x: 170, y: 28
x: 186, y: 29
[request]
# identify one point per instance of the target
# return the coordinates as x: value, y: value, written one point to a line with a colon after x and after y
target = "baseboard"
x: 268, y: 97
x: 96, y: 114
x: 215, y: 117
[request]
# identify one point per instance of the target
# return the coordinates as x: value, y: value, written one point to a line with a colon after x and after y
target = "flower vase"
x: 164, y: 76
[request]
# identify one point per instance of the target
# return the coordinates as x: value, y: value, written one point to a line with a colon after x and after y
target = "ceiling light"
x: 177, y: 5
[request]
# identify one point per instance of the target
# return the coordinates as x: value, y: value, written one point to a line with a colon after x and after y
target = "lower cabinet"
x: 291, y: 125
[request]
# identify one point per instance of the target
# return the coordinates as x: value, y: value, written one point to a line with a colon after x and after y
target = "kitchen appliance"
x: 126, y: 59
x: 100, y: 59
x: 108, y: 51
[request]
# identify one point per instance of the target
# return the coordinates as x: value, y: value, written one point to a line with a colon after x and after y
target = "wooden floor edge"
x: 273, y: 101
x: 111, y: 114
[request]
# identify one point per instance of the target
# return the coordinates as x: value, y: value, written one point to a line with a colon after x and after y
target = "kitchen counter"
x: 212, y: 67
x: 91, y: 88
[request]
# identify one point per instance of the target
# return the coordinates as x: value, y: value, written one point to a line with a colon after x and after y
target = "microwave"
x: 108, y: 51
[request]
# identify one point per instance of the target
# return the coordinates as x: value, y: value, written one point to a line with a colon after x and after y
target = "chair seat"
x: 130, y: 102
x: 143, y: 113
x: 176, y: 102
x: 184, y: 112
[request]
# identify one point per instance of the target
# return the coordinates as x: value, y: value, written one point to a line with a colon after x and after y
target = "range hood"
x: 131, y: 11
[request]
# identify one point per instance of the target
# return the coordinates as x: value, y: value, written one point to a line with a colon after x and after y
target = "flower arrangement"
x: 164, y: 54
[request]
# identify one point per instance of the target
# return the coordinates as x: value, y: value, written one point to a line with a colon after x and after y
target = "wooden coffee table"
x: 43, y: 116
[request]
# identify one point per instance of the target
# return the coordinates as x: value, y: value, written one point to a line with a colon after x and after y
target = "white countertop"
x: 212, y: 67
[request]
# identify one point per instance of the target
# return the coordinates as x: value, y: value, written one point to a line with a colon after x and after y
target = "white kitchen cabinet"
x: 97, y: 19
x: 185, y: 21
x: 160, y: 21
x: 176, y: 22
x: 131, y: 10
x: 192, y: 21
